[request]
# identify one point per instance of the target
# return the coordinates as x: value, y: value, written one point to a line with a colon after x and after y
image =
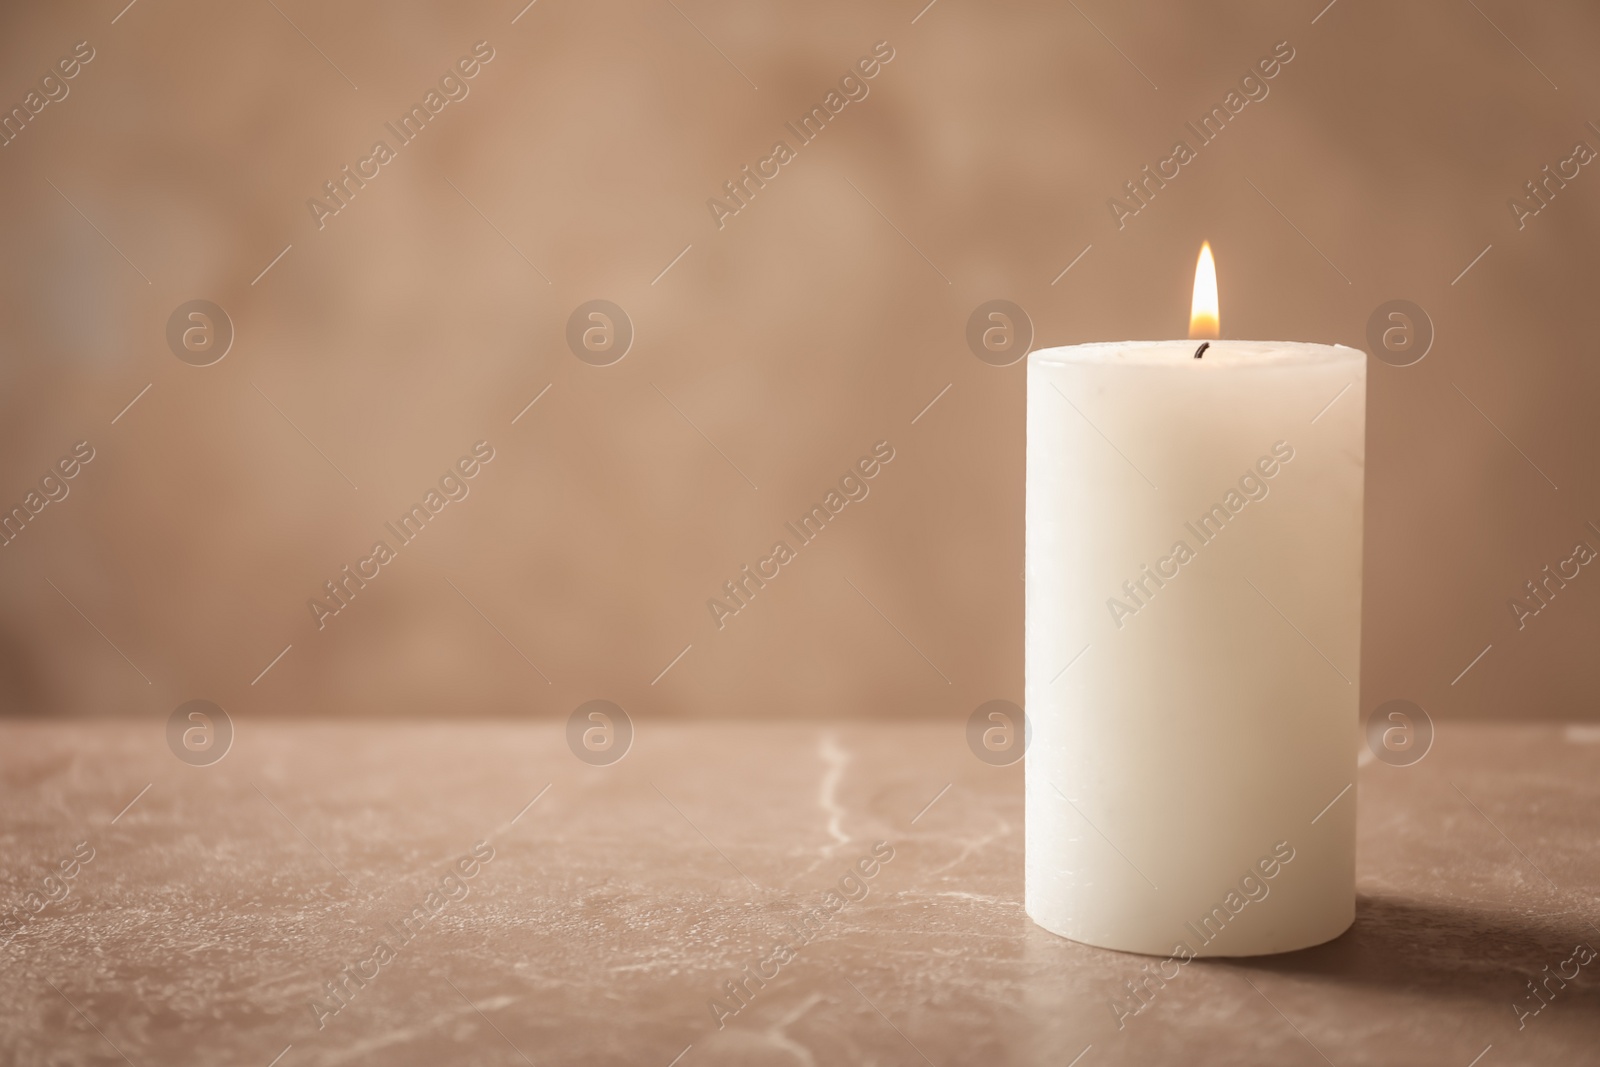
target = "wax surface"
x: 1193, y: 643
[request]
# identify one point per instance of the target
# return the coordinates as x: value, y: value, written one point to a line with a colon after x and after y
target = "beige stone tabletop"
x: 472, y: 893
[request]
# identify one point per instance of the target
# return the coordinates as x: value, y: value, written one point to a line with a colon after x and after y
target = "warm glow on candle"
x: 1204, y: 316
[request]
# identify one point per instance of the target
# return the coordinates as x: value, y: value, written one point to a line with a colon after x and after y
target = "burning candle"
x: 1193, y: 565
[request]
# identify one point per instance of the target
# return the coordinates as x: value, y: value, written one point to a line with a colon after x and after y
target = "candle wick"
x: 1201, y: 350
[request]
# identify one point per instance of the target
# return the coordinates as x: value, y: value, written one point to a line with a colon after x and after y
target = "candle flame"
x: 1204, y: 315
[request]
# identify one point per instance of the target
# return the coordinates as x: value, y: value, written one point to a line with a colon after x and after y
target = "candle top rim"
x: 1224, y: 353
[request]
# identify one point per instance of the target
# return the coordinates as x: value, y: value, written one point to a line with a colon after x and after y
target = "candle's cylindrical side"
x: 1193, y: 566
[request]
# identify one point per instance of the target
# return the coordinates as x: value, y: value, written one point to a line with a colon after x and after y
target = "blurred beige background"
x: 778, y: 349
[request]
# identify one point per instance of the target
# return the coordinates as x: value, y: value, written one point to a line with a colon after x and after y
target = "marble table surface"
x: 208, y: 908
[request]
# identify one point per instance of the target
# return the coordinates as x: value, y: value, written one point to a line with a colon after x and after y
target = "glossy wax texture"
x: 1193, y: 644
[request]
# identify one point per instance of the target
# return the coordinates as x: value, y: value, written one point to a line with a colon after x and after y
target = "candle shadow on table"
x: 1453, y: 950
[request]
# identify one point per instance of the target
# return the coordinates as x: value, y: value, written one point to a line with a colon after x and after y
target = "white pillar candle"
x: 1193, y: 643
